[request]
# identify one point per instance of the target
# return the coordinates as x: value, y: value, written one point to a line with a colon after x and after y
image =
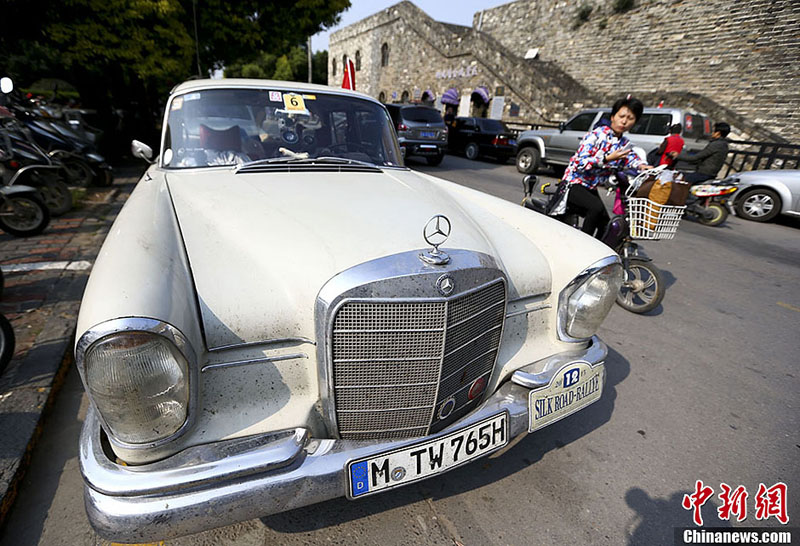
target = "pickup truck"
x: 554, y: 147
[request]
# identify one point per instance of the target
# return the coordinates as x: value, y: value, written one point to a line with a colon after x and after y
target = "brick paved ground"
x: 42, y: 306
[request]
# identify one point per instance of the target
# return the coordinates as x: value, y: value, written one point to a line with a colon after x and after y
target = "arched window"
x: 333, y: 62
x: 382, y: 97
x: 344, y: 61
x: 404, y: 97
x: 385, y: 54
x: 358, y: 60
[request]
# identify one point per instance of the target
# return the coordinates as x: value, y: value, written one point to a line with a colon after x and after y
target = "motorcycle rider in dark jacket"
x: 710, y: 159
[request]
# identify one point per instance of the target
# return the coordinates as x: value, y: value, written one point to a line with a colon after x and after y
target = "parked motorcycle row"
x: 43, y: 152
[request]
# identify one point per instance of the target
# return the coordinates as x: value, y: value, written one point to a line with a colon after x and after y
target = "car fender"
x: 142, y: 269
x: 527, y: 140
x: 779, y: 187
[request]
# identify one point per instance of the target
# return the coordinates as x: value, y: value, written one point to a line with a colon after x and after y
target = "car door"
x: 465, y: 132
x: 564, y: 144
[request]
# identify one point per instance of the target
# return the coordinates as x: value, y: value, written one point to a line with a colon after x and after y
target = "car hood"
x: 261, y: 246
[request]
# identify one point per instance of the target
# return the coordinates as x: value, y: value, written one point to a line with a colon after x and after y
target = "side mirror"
x: 6, y: 85
x: 142, y: 151
x: 561, y: 127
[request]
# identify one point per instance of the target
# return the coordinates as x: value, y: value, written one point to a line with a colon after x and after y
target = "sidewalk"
x: 45, y: 276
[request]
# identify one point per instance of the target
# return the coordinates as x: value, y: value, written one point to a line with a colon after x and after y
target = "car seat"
x: 226, y: 139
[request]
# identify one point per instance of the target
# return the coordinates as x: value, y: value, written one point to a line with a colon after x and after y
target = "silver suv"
x: 555, y: 147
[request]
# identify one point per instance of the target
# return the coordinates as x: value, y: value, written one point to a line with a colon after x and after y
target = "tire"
x: 23, y: 215
x: 7, y: 342
x: 758, y: 205
x: 434, y: 159
x: 528, y: 160
x: 472, y: 151
x: 78, y: 172
x: 720, y: 215
x: 643, y: 288
x: 56, y: 196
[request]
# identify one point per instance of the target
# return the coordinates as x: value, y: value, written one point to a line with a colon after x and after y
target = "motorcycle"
x: 711, y: 203
x: 7, y: 339
x: 22, y: 211
x: 643, y: 287
x: 24, y: 162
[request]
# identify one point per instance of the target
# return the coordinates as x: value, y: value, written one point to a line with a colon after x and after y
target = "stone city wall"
x: 425, y: 54
x: 740, y: 59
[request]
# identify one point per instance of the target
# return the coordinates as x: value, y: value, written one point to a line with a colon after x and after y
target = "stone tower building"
x: 540, y: 61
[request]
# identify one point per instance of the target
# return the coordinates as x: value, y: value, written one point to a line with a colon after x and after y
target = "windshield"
x: 492, y: 126
x: 235, y: 126
x: 422, y: 115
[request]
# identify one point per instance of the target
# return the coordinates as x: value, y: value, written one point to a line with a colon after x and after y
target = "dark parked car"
x: 420, y: 131
x: 475, y: 137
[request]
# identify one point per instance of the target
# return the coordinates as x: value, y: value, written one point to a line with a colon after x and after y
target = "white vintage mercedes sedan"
x: 283, y: 314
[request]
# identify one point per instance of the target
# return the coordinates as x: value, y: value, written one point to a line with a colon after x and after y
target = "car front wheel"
x: 528, y: 160
x: 759, y: 205
x: 472, y: 151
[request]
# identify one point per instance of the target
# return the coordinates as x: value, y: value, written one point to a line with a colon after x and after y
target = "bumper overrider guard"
x: 218, y: 484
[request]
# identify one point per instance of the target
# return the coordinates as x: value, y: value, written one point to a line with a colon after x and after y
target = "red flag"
x: 349, y: 80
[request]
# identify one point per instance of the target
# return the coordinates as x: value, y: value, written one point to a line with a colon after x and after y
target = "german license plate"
x: 512, y: 142
x: 573, y: 387
x: 427, y: 134
x: 419, y: 461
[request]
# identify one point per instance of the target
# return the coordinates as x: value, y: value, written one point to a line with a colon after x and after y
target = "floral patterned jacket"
x: 587, y: 167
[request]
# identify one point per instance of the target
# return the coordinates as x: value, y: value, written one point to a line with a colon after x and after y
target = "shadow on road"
x: 656, y: 519
x: 470, y: 477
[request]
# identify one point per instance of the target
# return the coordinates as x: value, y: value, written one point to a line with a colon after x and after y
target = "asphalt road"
x: 703, y: 388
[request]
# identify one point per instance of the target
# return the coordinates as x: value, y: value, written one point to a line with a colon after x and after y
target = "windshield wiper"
x: 307, y: 160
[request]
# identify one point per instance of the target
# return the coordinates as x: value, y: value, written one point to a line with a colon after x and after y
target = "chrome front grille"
x: 394, y: 363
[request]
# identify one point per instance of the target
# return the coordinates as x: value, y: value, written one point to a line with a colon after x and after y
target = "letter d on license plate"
x: 424, y: 459
x: 573, y: 387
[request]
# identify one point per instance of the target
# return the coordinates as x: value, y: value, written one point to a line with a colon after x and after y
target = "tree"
x: 127, y: 54
x: 283, y: 69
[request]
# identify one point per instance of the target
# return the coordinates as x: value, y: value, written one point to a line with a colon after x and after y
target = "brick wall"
x: 740, y: 58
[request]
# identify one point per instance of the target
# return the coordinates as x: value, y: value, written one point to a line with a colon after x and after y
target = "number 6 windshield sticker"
x: 293, y: 102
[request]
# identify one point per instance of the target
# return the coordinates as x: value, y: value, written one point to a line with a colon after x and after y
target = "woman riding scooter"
x: 602, y: 149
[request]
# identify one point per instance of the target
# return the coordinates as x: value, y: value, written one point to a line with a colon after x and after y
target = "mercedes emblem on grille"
x: 436, y: 232
x: 445, y: 284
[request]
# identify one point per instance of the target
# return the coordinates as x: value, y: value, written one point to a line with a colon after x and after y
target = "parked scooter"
x: 22, y: 211
x: 24, y: 162
x: 81, y: 162
x: 711, y: 203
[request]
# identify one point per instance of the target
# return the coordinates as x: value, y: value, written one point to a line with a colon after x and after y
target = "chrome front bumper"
x: 226, y: 482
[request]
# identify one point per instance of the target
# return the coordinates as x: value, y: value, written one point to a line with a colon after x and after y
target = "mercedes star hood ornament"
x: 436, y: 232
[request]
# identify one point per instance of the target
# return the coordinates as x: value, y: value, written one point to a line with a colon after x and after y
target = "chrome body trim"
x: 218, y: 484
x: 250, y: 344
x: 564, y: 295
x: 153, y: 326
x: 531, y: 310
x: 382, y: 280
x: 247, y: 362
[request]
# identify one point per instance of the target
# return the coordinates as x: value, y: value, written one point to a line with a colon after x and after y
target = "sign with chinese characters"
x: 768, y: 502
x: 460, y: 72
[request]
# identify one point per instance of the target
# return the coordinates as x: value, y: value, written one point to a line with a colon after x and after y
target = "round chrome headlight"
x: 139, y: 382
x: 585, y: 302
